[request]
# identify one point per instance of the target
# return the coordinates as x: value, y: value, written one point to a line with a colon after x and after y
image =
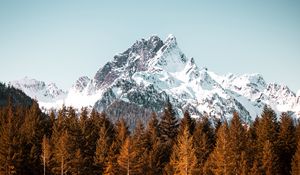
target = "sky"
x: 61, y: 40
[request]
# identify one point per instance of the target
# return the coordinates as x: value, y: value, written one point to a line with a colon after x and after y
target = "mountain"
x: 14, y: 96
x: 39, y: 90
x: 152, y: 71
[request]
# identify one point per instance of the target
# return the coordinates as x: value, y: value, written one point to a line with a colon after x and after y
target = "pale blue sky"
x: 60, y: 40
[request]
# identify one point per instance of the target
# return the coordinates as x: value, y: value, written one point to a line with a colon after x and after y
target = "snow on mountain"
x: 39, y: 90
x: 152, y: 71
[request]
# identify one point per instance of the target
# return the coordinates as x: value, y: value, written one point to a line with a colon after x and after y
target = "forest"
x: 67, y: 142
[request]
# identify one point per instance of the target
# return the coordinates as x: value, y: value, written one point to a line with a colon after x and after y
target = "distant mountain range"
x: 152, y: 71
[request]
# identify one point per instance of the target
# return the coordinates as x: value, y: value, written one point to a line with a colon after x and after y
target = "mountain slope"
x: 17, y: 97
x: 152, y: 71
x: 39, y: 90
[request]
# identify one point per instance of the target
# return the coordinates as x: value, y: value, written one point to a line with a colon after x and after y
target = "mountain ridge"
x: 152, y: 71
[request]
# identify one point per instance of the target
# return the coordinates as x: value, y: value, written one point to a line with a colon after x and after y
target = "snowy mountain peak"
x: 281, y: 93
x: 171, y: 40
x: 28, y: 83
x: 144, y: 55
x: 81, y: 83
x: 153, y: 70
x: 39, y: 90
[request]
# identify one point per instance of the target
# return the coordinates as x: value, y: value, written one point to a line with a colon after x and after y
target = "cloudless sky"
x: 60, y: 40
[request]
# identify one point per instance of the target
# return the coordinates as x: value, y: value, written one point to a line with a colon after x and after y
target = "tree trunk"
x: 62, y: 166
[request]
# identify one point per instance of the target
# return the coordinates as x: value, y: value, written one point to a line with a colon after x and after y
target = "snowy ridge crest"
x: 39, y: 90
x: 152, y: 71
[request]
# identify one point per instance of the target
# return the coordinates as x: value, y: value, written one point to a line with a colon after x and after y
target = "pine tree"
x: 237, y: 144
x: 204, y: 142
x: 46, y: 153
x: 76, y: 164
x: 256, y: 169
x: 127, y: 159
x: 251, y: 144
x: 8, y: 144
x: 141, y: 145
x: 296, y: 161
x: 270, y: 159
x: 243, y: 164
x: 33, y: 129
x: 287, y: 143
x: 155, y: 152
x: 267, y: 130
x: 187, y: 121
x: 90, y: 135
x: 110, y: 169
x: 106, y: 136
x: 183, y: 159
x: 63, y: 154
x: 168, y: 128
x: 153, y: 128
x: 121, y: 135
x: 297, y: 132
x: 168, y: 125
x: 218, y: 161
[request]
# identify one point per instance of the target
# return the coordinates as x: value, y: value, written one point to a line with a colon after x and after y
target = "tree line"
x: 65, y: 142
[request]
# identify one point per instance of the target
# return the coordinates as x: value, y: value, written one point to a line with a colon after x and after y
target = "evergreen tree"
x: 90, y: 135
x: 218, y: 161
x: 287, y: 143
x: 204, y: 142
x: 153, y: 128
x: 168, y: 124
x: 8, y: 144
x: 121, y: 135
x: 63, y: 154
x: 106, y: 136
x: 141, y: 146
x: 270, y: 159
x: 76, y: 164
x: 46, y: 153
x: 256, y: 169
x: 187, y: 121
x: 267, y: 130
x: 297, y: 132
x: 128, y: 159
x: 32, y: 131
x: 251, y: 144
x: 243, y: 164
x: 168, y: 128
x: 183, y: 159
x: 109, y: 170
x: 154, y: 149
x: 237, y: 145
x: 296, y: 161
